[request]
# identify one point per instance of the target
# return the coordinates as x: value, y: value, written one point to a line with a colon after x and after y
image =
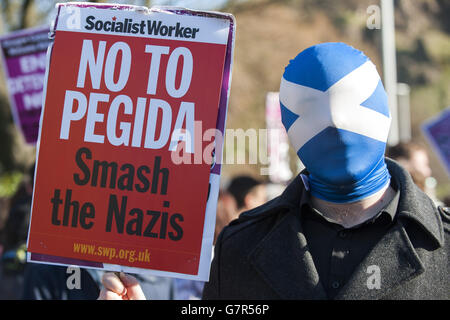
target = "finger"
x: 112, y: 283
x: 134, y: 290
x: 108, y: 295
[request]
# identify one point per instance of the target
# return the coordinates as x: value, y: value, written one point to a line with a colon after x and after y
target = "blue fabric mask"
x: 334, y: 108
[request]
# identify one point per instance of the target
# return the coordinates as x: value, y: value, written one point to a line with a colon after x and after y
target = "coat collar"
x: 415, y: 205
x: 288, y: 266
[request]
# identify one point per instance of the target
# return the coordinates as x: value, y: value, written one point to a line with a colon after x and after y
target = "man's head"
x: 334, y: 108
x: 248, y: 192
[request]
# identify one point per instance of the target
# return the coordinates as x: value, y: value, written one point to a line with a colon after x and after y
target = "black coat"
x: 264, y: 253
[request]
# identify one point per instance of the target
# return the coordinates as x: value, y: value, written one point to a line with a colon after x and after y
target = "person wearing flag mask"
x: 352, y: 225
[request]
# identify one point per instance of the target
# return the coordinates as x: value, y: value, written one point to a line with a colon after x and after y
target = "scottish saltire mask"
x: 335, y: 111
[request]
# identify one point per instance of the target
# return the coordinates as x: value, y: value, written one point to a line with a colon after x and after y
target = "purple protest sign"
x: 437, y: 131
x: 24, y: 59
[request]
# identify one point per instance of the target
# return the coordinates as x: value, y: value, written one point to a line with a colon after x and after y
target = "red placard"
x: 106, y: 188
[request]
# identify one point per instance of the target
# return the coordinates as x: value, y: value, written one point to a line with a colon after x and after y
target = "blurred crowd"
x: 30, y: 281
x: 414, y: 158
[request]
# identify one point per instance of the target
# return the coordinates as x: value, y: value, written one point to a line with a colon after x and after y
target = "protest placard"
x: 437, y: 132
x: 127, y: 88
x: 23, y: 55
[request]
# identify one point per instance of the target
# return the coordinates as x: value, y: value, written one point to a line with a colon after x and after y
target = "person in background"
x: 227, y: 211
x: 414, y: 158
x: 248, y: 192
x: 13, y: 259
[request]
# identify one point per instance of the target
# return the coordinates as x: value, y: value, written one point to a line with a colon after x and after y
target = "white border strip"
x: 74, y: 18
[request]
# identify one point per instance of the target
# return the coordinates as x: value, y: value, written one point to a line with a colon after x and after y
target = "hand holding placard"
x: 120, y: 286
